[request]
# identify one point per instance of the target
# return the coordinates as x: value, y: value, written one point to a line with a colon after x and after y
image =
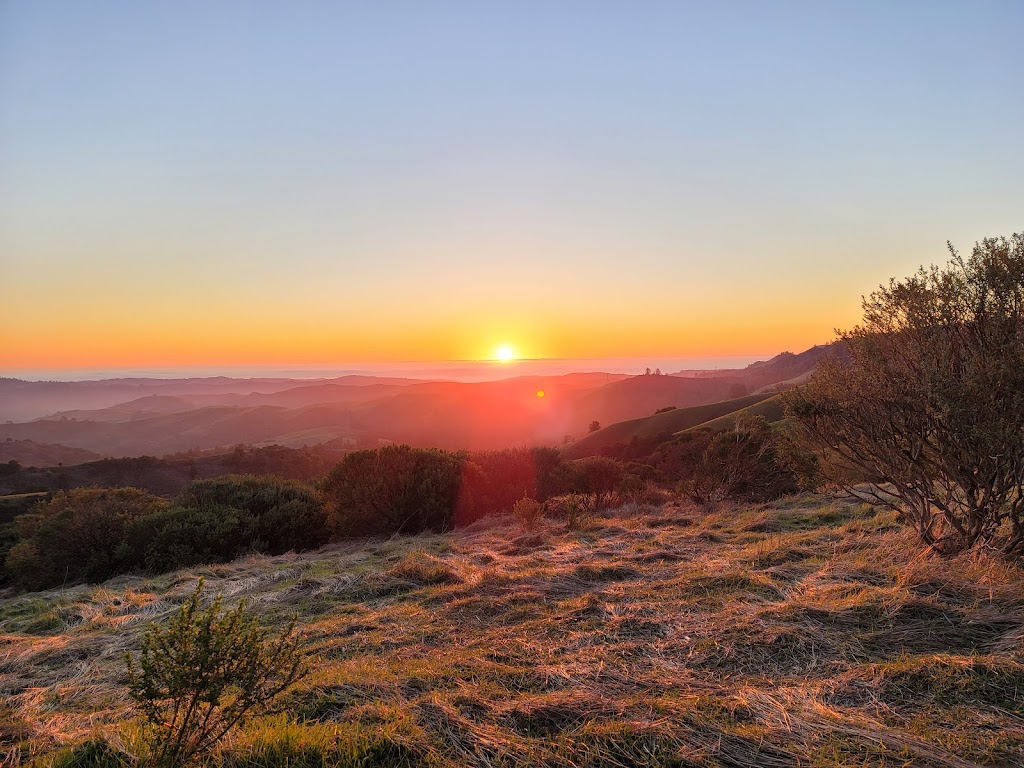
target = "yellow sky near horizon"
x: 255, y: 185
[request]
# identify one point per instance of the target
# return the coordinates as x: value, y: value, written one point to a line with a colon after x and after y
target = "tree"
x: 598, y: 476
x: 927, y: 410
x: 205, y: 673
x: 744, y: 462
x: 594, y: 426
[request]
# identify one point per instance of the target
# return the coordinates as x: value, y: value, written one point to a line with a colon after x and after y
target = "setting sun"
x: 505, y: 353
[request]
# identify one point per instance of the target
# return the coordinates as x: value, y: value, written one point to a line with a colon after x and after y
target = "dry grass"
x: 803, y: 633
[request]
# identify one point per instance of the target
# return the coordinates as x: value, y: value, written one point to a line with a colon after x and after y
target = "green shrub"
x: 181, y: 537
x: 743, y: 463
x: 205, y: 673
x: 94, y: 534
x: 78, y: 535
x: 285, y: 515
x: 394, y: 489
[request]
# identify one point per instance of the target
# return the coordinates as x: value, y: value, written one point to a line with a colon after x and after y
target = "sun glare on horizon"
x: 505, y: 354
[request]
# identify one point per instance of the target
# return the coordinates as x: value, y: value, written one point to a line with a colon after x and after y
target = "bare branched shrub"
x: 928, y: 411
x: 204, y: 673
x: 528, y: 513
x: 577, y: 509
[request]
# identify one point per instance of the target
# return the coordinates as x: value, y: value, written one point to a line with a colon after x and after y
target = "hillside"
x: 659, y: 424
x: 455, y: 415
x: 781, y: 368
x: 769, y: 408
x: 29, y: 453
x: 801, y: 633
x: 169, y: 476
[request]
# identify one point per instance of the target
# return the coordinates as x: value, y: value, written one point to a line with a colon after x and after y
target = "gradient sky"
x: 204, y: 183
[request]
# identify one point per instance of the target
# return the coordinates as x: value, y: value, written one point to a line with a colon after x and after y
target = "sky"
x: 309, y: 184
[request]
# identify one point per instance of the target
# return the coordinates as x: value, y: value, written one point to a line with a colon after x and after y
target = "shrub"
x: 577, y: 509
x: 929, y: 407
x: 285, y: 515
x: 528, y: 512
x: 78, y: 535
x: 205, y: 673
x: 599, y: 476
x: 180, y: 537
x: 394, y: 489
x: 743, y: 463
x: 493, y: 481
x: 94, y: 534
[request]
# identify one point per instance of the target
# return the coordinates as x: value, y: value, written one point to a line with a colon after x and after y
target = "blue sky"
x: 348, y: 181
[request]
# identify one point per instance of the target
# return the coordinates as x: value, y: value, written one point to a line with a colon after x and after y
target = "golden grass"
x: 801, y: 633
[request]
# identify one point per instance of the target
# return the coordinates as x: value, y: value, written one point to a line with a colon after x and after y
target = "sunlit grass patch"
x: 678, y: 637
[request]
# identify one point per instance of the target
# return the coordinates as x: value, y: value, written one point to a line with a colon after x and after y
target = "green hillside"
x: 770, y: 408
x: 667, y: 423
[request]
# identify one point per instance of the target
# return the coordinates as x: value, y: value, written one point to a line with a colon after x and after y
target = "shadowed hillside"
x: 770, y: 409
x: 662, y: 425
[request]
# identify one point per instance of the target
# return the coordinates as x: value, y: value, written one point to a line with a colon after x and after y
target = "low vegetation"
x: 204, y: 674
x: 799, y: 632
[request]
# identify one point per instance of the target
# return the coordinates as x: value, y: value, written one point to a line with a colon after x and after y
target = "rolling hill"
x: 660, y: 424
x: 769, y: 408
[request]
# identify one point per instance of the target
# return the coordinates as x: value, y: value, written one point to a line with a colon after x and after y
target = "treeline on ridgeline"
x: 91, y: 534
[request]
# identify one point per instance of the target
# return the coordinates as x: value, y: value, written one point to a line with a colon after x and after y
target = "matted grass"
x: 808, y: 632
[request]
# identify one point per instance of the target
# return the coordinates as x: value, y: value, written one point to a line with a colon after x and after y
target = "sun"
x: 505, y: 354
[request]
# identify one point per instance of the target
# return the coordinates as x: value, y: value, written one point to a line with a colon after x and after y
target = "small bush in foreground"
x: 204, y: 673
x: 528, y: 512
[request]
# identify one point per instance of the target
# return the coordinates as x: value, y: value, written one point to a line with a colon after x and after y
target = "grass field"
x: 807, y: 632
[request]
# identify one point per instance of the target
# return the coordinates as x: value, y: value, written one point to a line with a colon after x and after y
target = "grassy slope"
x: 770, y: 409
x: 800, y: 633
x: 669, y: 422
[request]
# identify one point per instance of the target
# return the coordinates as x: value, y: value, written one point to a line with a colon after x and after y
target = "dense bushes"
x: 493, y: 481
x: 281, y: 515
x: 744, y: 463
x: 403, y: 489
x: 394, y: 489
x: 79, y: 535
x: 92, y: 534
